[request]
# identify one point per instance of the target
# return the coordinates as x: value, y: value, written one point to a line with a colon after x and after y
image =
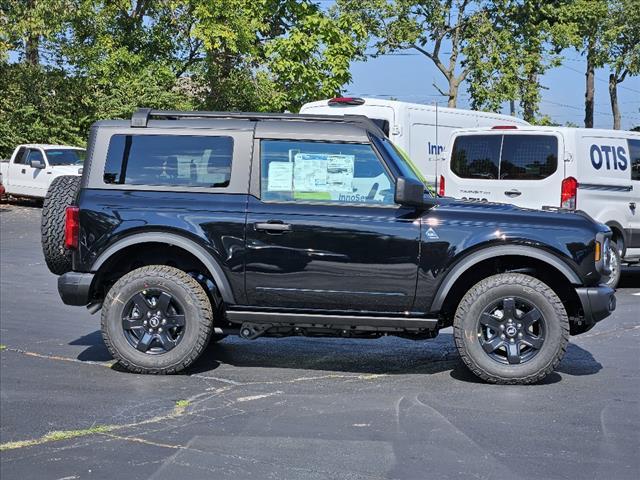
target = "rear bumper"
x: 597, y: 302
x: 74, y: 287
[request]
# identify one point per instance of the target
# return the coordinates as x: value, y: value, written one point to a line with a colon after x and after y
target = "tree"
x: 582, y: 25
x: 509, y: 61
x: 622, y: 47
x: 429, y: 27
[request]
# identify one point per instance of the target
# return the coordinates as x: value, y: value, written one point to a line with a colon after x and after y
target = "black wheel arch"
x: 495, y: 252
x: 180, y: 242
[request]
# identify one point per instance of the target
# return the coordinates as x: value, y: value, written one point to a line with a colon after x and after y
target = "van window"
x: 476, y: 156
x: 182, y: 160
x: 528, y: 157
x: 509, y: 157
x: 634, y: 154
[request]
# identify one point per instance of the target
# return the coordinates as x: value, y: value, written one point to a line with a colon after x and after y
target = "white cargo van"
x: 422, y: 131
x: 597, y: 171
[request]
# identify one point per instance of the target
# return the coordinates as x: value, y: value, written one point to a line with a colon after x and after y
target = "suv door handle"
x: 24, y: 170
x: 273, y: 227
x: 632, y: 205
x: 513, y: 193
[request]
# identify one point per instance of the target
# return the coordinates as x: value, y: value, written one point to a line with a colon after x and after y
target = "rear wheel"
x: 156, y: 319
x: 60, y: 195
x: 512, y: 329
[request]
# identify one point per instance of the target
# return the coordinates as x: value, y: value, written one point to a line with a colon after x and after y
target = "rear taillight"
x: 504, y: 127
x: 441, y: 186
x: 71, y: 227
x: 569, y: 193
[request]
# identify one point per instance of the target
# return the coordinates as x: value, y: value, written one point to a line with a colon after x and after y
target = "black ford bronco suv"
x: 189, y: 226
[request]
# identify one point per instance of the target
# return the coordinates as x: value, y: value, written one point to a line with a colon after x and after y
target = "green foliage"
x: 77, y: 61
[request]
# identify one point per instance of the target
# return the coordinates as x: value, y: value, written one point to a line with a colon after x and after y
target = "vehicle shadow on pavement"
x: 388, y: 356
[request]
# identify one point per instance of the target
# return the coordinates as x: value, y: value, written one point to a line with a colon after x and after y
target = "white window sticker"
x: 280, y: 177
x: 323, y: 172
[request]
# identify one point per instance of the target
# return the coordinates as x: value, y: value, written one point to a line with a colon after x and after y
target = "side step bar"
x: 320, y: 320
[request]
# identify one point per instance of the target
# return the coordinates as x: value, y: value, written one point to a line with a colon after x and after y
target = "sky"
x: 410, y: 78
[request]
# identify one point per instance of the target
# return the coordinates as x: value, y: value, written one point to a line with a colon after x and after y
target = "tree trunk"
x: 529, y: 105
x: 590, y: 87
x: 512, y: 107
x: 613, y: 94
x: 32, y: 43
x: 453, y: 93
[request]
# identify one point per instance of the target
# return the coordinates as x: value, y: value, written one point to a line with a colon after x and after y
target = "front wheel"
x: 511, y: 329
x: 156, y: 319
x: 615, y: 262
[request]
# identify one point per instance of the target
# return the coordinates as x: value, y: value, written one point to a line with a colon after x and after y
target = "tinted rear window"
x: 528, y: 157
x: 509, y: 157
x: 476, y: 156
x: 184, y: 160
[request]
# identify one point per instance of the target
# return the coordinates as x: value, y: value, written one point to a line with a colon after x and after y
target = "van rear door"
x: 508, y: 166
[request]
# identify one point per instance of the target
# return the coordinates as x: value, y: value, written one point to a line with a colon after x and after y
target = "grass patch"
x: 182, y: 403
x: 58, y: 435
x: 2, y: 347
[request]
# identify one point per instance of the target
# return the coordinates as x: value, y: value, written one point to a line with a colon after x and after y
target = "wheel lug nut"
x: 151, y: 330
x: 520, y: 335
x: 501, y: 327
x: 512, y: 340
x: 148, y: 314
x: 164, y: 321
x: 160, y: 330
x: 519, y: 325
x: 145, y: 323
x: 502, y: 336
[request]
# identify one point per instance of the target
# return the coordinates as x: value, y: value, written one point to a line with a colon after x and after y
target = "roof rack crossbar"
x: 141, y: 116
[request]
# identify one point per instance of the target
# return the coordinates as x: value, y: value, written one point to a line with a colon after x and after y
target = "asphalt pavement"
x: 298, y: 408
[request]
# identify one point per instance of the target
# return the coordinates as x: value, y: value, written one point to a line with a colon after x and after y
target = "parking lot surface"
x: 298, y: 408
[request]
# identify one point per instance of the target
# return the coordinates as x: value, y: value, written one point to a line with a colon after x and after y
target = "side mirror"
x: 410, y: 192
x: 39, y: 164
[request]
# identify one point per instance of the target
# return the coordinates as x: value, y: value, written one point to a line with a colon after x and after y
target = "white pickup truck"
x: 33, y: 167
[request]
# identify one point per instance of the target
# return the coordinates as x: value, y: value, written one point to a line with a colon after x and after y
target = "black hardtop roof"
x: 141, y: 117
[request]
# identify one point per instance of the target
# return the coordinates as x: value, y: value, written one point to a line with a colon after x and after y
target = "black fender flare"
x: 498, y: 251
x: 179, y: 241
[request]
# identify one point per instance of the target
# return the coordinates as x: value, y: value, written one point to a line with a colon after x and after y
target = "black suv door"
x: 325, y: 232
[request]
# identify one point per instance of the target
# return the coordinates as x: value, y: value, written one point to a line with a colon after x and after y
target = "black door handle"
x: 513, y: 193
x: 24, y: 170
x: 632, y: 205
x: 272, y: 227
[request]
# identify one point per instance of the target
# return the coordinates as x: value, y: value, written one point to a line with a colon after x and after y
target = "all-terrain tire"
x: 61, y: 194
x: 511, y: 286
x: 187, y: 292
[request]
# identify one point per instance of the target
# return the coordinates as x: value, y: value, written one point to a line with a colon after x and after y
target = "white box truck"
x: 421, y: 131
x: 596, y: 171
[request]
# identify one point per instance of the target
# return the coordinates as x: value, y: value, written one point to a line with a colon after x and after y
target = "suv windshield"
x: 65, y: 156
x: 403, y: 165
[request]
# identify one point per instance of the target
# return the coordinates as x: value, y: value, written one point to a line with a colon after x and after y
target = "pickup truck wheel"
x: 60, y: 195
x: 615, y: 260
x: 511, y: 329
x: 156, y: 320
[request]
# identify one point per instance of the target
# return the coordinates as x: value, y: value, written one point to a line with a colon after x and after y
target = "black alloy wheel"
x: 511, y: 330
x: 153, y: 322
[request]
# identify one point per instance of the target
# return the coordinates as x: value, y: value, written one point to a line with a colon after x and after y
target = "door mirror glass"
x: 410, y: 192
x: 36, y: 163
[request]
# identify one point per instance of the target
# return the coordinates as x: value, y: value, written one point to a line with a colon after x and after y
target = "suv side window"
x: 325, y: 172
x: 184, y: 160
x: 476, y: 156
x: 634, y: 155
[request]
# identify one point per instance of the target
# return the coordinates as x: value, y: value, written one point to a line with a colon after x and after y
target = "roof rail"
x: 141, y: 116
